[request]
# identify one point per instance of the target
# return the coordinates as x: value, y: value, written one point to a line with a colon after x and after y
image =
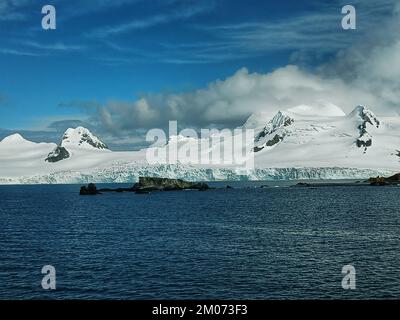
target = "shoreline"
x: 223, y: 184
x: 131, y: 174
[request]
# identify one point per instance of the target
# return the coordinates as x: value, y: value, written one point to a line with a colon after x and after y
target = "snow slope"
x: 304, y: 142
x: 333, y: 141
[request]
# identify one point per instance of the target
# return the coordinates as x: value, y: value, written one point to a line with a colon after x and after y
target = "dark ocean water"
x: 247, y: 243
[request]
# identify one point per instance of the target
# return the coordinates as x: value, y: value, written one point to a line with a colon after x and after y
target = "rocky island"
x: 149, y: 184
x: 381, y: 181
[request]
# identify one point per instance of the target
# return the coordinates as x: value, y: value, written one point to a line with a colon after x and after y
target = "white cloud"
x: 228, y: 102
x: 57, y: 46
x: 367, y: 73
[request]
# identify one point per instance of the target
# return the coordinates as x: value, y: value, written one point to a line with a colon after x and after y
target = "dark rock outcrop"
x: 394, y: 178
x: 378, y: 181
x: 381, y: 181
x: 89, y: 190
x: 58, y: 154
x: 364, y: 144
x: 148, y: 184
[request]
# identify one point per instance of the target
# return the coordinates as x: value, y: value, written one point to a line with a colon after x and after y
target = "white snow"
x: 318, y: 146
x: 82, y: 138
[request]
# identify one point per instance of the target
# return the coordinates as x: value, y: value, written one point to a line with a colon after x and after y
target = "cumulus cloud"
x: 365, y: 73
x: 372, y: 65
x: 227, y: 103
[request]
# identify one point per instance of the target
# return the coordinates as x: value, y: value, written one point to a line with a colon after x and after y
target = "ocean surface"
x: 275, y: 242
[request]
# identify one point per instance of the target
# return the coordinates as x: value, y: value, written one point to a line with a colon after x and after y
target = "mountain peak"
x: 274, y: 132
x: 14, y: 138
x: 361, y: 110
x: 81, y: 137
x: 282, y: 118
x: 366, y: 115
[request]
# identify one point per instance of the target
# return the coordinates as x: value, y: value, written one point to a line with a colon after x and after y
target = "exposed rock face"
x: 147, y: 185
x: 163, y: 184
x: 274, y: 132
x: 378, y: 181
x: 381, y: 181
x: 364, y: 144
x: 367, y: 118
x: 394, y: 178
x: 58, y: 154
x: 89, y: 190
x: 75, y: 138
x: 275, y: 140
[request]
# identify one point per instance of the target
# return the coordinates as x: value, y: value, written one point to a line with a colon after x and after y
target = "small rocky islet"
x: 374, y: 181
x: 381, y: 181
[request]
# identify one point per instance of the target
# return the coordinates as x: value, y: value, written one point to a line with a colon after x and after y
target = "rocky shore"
x: 381, y: 181
x: 378, y: 181
x: 149, y: 184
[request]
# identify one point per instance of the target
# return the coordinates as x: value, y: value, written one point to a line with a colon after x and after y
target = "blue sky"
x: 105, y: 51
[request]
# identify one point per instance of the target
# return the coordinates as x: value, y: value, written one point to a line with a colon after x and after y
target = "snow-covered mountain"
x: 82, y: 138
x: 304, y: 142
x: 75, y: 139
x: 274, y: 132
x: 356, y: 140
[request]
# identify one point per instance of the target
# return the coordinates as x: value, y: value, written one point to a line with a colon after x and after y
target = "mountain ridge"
x: 356, y: 142
x: 79, y: 137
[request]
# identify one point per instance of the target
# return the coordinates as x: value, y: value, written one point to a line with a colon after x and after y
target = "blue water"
x: 247, y: 243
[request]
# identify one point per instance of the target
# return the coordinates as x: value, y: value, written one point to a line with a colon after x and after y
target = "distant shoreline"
x: 312, y: 183
x: 130, y: 173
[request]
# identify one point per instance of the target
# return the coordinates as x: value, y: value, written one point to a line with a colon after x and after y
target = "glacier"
x: 301, y: 143
x: 130, y: 173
